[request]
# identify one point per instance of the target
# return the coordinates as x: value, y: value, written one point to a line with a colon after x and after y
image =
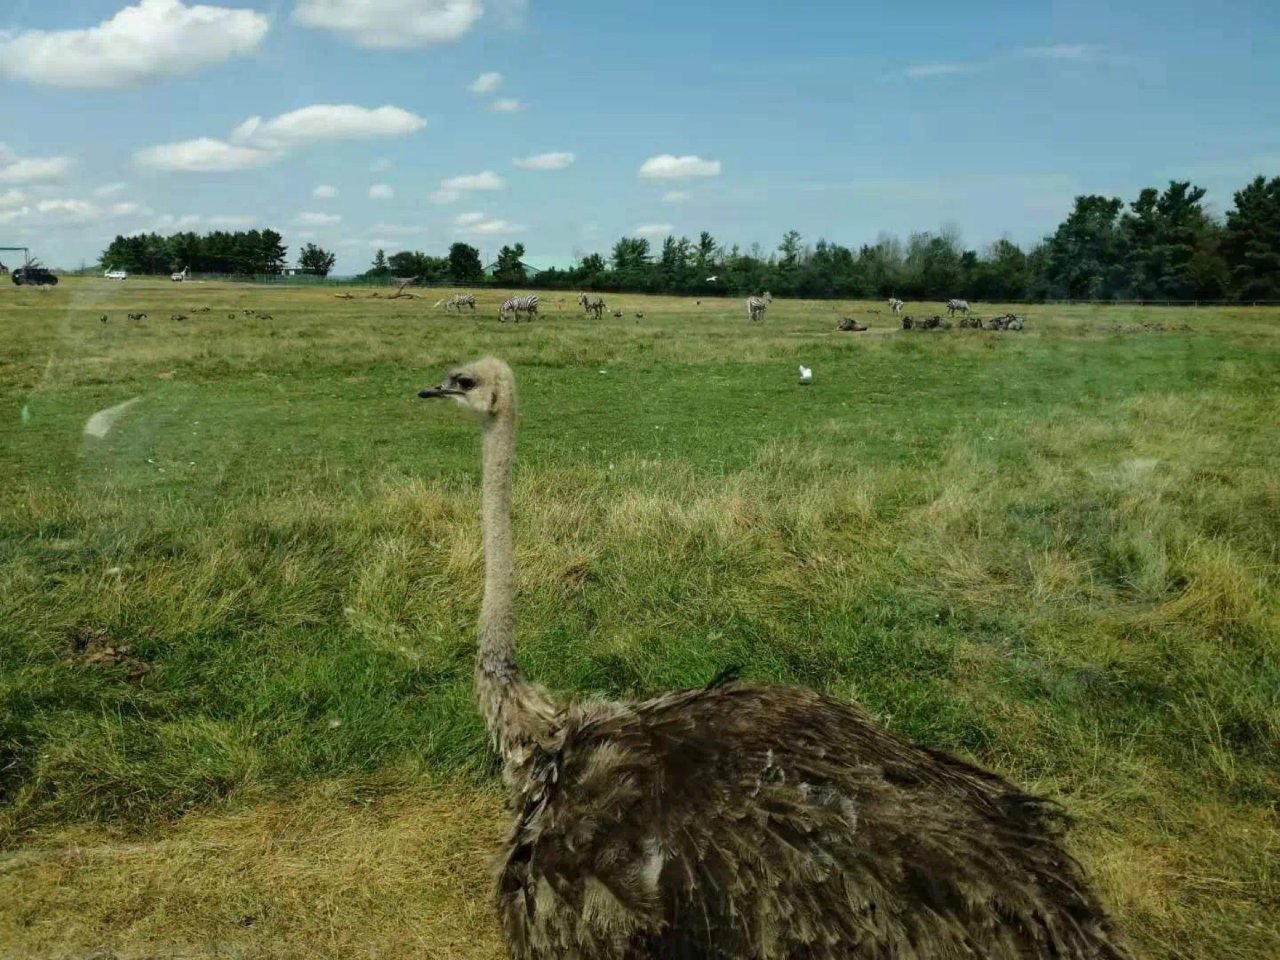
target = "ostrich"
x: 745, y: 822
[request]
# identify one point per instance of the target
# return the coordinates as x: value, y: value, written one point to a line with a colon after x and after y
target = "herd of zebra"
x: 953, y: 306
x: 527, y: 306
x: 517, y: 307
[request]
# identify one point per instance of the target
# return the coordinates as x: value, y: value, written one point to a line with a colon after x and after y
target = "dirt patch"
x: 94, y: 648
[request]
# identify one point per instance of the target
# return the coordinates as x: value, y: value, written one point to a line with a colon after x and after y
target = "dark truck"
x: 35, y: 275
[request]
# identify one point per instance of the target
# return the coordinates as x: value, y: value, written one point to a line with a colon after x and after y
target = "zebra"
x: 756, y: 306
x: 954, y: 306
x: 458, y: 301
x: 518, y: 305
x: 895, y: 305
x: 592, y: 305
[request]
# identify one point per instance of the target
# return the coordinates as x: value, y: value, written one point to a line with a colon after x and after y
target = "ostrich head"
x: 486, y: 387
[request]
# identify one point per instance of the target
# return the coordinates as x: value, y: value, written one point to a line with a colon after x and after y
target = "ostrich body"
x: 741, y: 822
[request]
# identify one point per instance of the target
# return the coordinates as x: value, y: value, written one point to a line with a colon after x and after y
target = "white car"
x: 116, y: 275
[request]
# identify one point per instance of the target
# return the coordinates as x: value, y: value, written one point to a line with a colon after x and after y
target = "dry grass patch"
x: 332, y: 872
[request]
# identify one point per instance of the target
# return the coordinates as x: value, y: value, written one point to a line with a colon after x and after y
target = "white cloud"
x: 128, y: 209
x: 396, y: 229
x: 381, y: 165
x: 510, y: 13
x: 668, y: 167
x: 507, y: 105
x: 381, y: 191
x: 68, y: 211
x: 1061, y: 51
x: 12, y: 198
x: 545, y: 161
x: 230, y: 220
x: 492, y: 227
x: 324, y: 192
x: 110, y: 189
x: 652, y: 230
x: 203, y: 155
x: 924, y: 70
x: 323, y: 121
x: 15, y: 169
x: 468, y: 219
x: 677, y: 196
x: 167, y: 222
x: 144, y: 43
x: 259, y: 142
x: 391, y: 23
x: 445, y: 195
x: 486, y: 83
x: 486, y: 180
x: 319, y: 219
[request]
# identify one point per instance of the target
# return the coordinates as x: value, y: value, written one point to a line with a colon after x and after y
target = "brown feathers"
x: 749, y: 823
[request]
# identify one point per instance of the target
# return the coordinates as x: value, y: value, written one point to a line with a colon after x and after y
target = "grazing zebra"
x: 518, y: 305
x: 458, y: 301
x: 756, y: 306
x: 954, y: 306
x: 895, y: 305
x: 592, y: 305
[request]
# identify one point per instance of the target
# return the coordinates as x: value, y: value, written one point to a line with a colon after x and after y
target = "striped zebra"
x: 458, y: 301
x: 592, y: 305
x: 895, y: 305
x: 957, y: 306
x: 518, y: 305
x: 756, y: 306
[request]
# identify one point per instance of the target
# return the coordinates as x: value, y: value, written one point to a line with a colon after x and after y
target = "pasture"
x: 236, y: 626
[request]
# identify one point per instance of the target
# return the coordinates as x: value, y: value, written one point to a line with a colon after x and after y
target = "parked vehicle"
x: 33, y: 274
x: 116, y: 275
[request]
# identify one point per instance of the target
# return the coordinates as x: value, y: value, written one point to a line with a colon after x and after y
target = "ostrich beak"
x: 440, y: 391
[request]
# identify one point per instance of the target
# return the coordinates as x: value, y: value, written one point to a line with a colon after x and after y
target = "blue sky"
x: 745, y: 119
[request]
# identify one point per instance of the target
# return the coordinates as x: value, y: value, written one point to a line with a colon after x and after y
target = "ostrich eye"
x: 464, y: 383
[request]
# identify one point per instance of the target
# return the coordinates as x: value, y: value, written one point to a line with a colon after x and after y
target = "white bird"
x: 806, y: 375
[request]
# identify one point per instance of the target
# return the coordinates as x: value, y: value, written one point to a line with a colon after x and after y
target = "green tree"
x: 632, y: 263
x: 1251, y: 241
x: 421, y: 266
x: 1082, y: 259
x: 464, y: 264
x: 380, y: 266
x: 1169, y: 245
x: 315, y: 260
x: 272, y: 254
x: 1001, y: 273
x: 509, y: 270
x: 704, y: 255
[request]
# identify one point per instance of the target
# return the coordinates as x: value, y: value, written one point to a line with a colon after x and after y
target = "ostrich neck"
x: 515, y: 713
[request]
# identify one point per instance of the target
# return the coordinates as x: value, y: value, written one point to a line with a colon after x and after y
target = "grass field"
x: 1053, y: 551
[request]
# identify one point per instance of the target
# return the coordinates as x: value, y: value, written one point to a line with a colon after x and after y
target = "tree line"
x: 245, y: 253
x: 1163, y: 245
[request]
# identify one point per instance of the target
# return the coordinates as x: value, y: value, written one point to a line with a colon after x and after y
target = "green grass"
x: 1054, y: 551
